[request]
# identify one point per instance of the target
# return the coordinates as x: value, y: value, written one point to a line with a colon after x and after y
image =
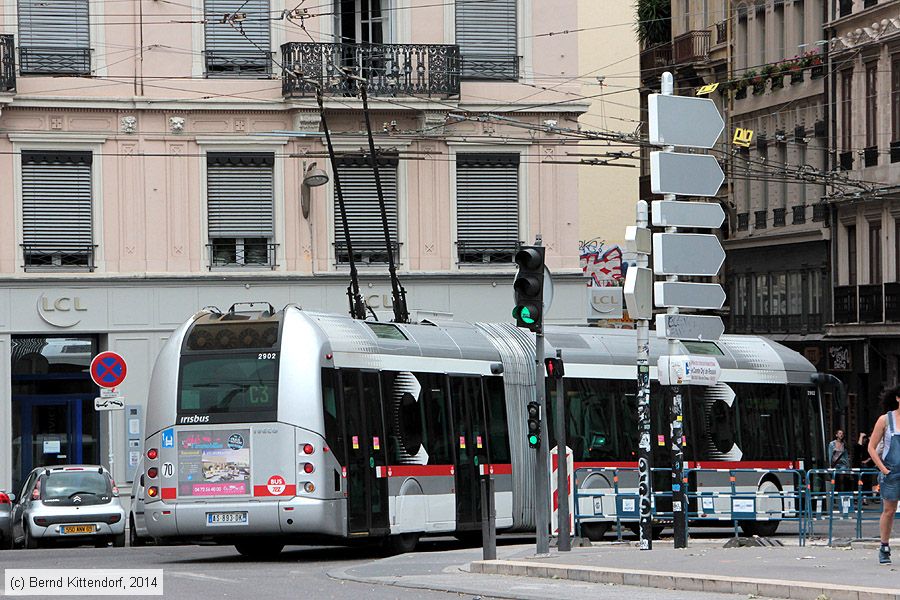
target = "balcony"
x: 691, y: 47
x: 870, y: 156
x: 54, y: 60
x: 473, y: 254
x: 778, y: 217
x: 391, y: 69
x: 743, y: 221
x: 225, y: 254
x: 799, y: 215
x: 760, y: 219
x: 223, y: 63
x: 7, y: 64
x: 873, y: 303
x: 69, y: 258
x: 654, y: 60
x: 820, y: 213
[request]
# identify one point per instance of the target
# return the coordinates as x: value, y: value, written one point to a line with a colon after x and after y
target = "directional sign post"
x: 703, y: 328
x: 684, y: 121
x: 668, y: 213
x: 688, y: 295
x: 685, y: 174
x: 696, y: 254
x: 108, y: 370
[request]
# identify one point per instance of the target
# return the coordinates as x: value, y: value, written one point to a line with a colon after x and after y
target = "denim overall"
x: 890, y: 483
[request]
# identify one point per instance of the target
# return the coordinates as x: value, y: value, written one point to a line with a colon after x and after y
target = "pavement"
x: 706, y: 570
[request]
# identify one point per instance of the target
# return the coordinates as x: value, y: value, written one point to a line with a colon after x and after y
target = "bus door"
x: 367, y: 484
x: 470, y: 443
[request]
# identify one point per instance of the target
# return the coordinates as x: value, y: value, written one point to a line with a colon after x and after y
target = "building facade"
x: 154, y: 161
x: 864, y: 333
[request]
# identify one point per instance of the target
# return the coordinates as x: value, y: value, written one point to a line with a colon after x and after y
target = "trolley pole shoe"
x: 884, y: 554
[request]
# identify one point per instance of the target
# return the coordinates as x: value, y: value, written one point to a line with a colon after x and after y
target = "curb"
x: 689, y: 582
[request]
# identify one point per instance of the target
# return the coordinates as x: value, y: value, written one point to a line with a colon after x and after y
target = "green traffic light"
x: 533, y: 439
x: 524, y: 314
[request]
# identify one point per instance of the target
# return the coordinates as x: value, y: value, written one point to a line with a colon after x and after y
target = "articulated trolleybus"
x: 275, y: 427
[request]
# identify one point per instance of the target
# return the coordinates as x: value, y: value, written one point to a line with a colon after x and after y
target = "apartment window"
x: 761, y: 31
x: 800, y: 21
x: 779, y: 294
x: 779, y: 30
x: 846, y: 110
x: 487, y: 207
x: 875, y: 252
x: 814, y: 287
x: 54, y: 37
x: 57, y: 211
x: 783, y: 184
x: 851, y: 255
x: 760, y: 307
x: 741, y: 300
x: 795, y: 293
x: 240, y: 194
x: 238, y: 47
x: 742, y: 54
x: 486, y: 36
x: 895, y: 98
x: 686, y: 15
x: 872, y: 104
x: 897, y: 249
x: 363, y: 211
x: 801, y: 158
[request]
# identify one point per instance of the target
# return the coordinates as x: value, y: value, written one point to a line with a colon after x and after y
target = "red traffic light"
x: 555, y: 368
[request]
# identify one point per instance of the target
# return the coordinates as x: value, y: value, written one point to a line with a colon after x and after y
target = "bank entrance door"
x: 53, y: 416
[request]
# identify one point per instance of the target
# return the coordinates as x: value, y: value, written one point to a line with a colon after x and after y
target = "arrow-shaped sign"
x: 669, y: 213
x: 698, y: 254
x: 685, y: 294
x: 117, y: 403
x: 685, y: 174
x: 684, y: 121
x: 689, y: 327
x: 638, y: 292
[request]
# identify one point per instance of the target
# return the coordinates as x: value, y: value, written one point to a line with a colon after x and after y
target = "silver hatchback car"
x: 77, y: 503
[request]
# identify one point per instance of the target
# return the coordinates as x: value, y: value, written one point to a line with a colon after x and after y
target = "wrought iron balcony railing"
x: 691, y: 47
x: 475, y: 253
x: 869, y: 303
x: 365, y: 254
x: 50, y: 60
x: 243, y: 64
x: 38, y: 257
x: 490, y: 67
x: 654, y: 60
x: 778, y: 217
x: 721, y: 32
x: 391, y: 69
x: 799, y: 214
x: 227, y: 254
x: 7, y: 64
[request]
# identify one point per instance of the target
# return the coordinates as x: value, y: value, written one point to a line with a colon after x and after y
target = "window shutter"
x: 363, y: 212
x: 243, y: 47
x: 54, y: 36
x: 486, y: 36
x: 56, y: 201
x: 240, y: 195
x: 487, y: 204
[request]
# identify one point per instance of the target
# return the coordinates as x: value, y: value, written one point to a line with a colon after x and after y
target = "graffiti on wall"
x: 601, y: 262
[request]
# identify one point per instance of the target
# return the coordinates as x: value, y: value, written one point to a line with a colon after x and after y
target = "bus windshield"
x: 229, y: 388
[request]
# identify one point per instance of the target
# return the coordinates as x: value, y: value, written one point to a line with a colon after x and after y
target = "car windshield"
x: 65, y: 484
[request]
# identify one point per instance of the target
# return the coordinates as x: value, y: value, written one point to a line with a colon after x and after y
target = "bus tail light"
x: 308, y: 449
x: 308, y: 468
x: 152, y: 491
x: 152, y: 453
x: 309, y: 487
x: 152, y: 472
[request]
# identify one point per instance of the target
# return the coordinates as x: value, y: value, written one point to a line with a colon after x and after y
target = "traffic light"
x: 555, y: 368
x: 534, y: 424
x: 529, y: 287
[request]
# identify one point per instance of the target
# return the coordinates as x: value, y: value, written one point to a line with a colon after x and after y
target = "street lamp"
x: 312, y: 177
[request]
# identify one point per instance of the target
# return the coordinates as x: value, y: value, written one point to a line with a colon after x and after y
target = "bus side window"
x: 333, y: 433
x: 435, y: 413
x: 498, y: 429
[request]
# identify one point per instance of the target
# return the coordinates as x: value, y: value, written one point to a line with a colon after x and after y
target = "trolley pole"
x: 564, y: 541
x: 541, y: 462
x: 645, y: 482
x: 679, y: 498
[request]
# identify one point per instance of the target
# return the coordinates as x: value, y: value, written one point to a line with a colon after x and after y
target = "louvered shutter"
x: 241, y: 49
x: 486, y: 36
x: 56, y: 203
x: 54, y: 36
x: 363, y: 212
x: 240, y: 195
x: 487, y: 206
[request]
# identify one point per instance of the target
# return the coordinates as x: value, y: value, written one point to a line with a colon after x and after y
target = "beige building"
x: 154, y: 160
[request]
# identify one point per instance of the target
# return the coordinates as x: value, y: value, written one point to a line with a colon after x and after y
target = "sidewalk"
x: 810, y: 572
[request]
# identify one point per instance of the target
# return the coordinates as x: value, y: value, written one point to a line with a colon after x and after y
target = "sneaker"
x: 884, y: 555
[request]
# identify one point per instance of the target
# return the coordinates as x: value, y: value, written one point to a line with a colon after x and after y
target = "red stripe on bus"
x: 168, y: 493
x: 707, y: 464
x: 420, y: 470
x: 502, y: 469
x: 261, y: 490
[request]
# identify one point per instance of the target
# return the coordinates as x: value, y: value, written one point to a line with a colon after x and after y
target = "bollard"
x: 488, y: 519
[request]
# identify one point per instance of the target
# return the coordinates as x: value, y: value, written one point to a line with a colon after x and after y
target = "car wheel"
x: 134, y: 539
x: 259, y: 549
x: 31, y: 543
x: 119, y: 540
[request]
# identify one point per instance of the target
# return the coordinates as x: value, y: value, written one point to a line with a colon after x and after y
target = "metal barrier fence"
x: 747, y: 498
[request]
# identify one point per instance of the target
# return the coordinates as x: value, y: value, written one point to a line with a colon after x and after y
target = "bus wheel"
x: 760, y: 528
x: 259, y: 549
x: 594, y: 531
x: 403, y: 543
x: 771, y: 506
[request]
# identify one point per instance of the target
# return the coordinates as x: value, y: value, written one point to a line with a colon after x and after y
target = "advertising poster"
x: 214, y: 463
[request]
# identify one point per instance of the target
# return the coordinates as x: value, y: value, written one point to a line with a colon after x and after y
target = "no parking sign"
x: 108, y: 369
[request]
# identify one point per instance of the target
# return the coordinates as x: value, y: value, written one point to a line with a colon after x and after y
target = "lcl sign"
x: 60, y: 311
x: 605, y: 302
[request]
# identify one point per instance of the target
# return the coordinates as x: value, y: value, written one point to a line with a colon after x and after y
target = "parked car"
x: 6, y: 537
x: 77, y: 503
x: 137, y: 525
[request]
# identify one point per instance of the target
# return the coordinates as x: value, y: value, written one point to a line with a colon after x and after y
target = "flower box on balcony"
x: 740, y: 93
x: 759, y: 88
x: 796, y: 76
x: 777, y: 81
x: 817, y: 72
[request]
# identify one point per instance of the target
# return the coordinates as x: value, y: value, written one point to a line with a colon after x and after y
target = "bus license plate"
x: 76, y: 529
x: 226, y: 518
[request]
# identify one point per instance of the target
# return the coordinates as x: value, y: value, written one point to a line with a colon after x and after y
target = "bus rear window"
x: 228, y: 388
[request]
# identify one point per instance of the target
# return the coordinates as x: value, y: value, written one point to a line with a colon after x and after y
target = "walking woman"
x: 887, y: 428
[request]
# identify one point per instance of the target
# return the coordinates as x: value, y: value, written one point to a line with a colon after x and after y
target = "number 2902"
x: 267, y: 356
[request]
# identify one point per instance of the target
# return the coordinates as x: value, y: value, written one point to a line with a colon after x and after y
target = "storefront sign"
x: 60, y: 311
x: 604, y: 302
x: 840, y: 358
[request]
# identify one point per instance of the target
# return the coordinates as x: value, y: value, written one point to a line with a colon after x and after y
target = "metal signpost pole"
x: 564, y: 541
x: 541, y: 466
x: 645, y: 483
x: 679, y: 504
x: 110, y: 442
